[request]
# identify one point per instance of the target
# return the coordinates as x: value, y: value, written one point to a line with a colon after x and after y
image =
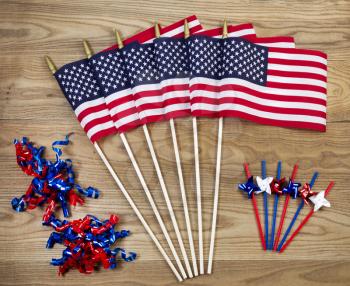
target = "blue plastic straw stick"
x: 301, y: 205
x: 275, y: 206
x: 266, y: 206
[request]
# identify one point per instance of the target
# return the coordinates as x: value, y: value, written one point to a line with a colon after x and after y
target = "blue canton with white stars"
x: 228, y: 58
x: 78, y: 83
x: 109, y: 70
x: 171, y: 57
x: 205, y: 57
x: 245, y: 60
x: 140, y: 63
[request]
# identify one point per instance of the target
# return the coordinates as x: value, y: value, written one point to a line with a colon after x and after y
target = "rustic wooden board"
x: 32, y: 105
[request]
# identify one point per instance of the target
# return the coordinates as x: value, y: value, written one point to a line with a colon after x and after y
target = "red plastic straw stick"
x: 280, y: 226
x: 246, y: 169
x: 284, y: 211
x: 256, y: 210
x: 294, y: 173
x: 258, y: 222
x: 304, y: 221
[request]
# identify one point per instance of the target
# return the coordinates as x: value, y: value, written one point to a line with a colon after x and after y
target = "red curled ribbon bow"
x: 277, y: 186
x: 306, y: 192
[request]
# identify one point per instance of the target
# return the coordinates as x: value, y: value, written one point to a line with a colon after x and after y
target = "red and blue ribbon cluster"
x: 53, y: 184
x: 88, y: 243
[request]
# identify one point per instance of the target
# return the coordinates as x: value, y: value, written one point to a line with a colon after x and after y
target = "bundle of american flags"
x: 180, y: 70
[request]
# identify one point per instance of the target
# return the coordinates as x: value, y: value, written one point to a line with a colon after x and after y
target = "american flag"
x: 172, y: 63
x: 109, y: 69
x: 142, y: 71
x: 173, y: 71
x: 168, y: 95
x: 85, y: 84
x: 268, y: 85
x: 84, y: 95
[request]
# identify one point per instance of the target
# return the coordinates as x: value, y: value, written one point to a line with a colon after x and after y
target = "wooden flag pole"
x: 53, y: 69
x: 181, y: 180
x: 89, y: 54
x: 161, y: 179
x: 217, y: 181
x: 198, y: 179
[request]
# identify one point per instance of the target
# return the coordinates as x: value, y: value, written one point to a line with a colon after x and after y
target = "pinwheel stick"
x: 217, y: 181
x: 266, y: 205
x: 304, y: 221
x: 301, y: 205
x: 284, y: 211
x: 53, y: 69
x: 256, y: 210
x: 275, y: 207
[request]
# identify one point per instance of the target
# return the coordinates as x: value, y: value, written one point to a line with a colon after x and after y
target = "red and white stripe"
x: 125, y: 106
x: 295, y: 94
x: 95, y: 119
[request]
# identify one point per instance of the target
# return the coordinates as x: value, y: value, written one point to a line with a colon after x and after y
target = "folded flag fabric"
x: 277, y: 86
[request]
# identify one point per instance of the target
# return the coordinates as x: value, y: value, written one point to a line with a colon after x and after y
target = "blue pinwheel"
x: 249, y: 187
x: 292, y: 189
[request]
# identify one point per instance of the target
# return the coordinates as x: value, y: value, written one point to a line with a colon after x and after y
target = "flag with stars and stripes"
x: 268, y: 85
x: 171, y: 55
x: 204, y: 104
x: 144, y: 78
x: 109, y: 70
x: 173, y: 72
x: 84, y: 95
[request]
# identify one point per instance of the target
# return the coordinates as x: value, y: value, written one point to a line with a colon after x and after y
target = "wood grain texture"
x: 32, y: 105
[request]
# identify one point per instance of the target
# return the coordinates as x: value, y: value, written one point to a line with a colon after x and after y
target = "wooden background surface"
x: 31, y: 104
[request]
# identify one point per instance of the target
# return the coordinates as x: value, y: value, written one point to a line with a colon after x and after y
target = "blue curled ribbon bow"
x: 292, y: 189
x: 249, y: 187
x: 86, y: 247
x: 53, y: 182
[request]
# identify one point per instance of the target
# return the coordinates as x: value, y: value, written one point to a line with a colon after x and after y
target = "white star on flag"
x: 319, y: 201
x: 264, y: 184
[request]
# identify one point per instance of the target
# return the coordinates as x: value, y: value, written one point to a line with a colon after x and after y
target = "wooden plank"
x: 32, y: 105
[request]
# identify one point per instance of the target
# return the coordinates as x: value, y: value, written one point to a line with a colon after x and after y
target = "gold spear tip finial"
x: 118, y: 39
x: 186, y: 30
x: 156, y: 29
x: 87, y: 48
x: 224, y: 30
x: 50, y: 64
